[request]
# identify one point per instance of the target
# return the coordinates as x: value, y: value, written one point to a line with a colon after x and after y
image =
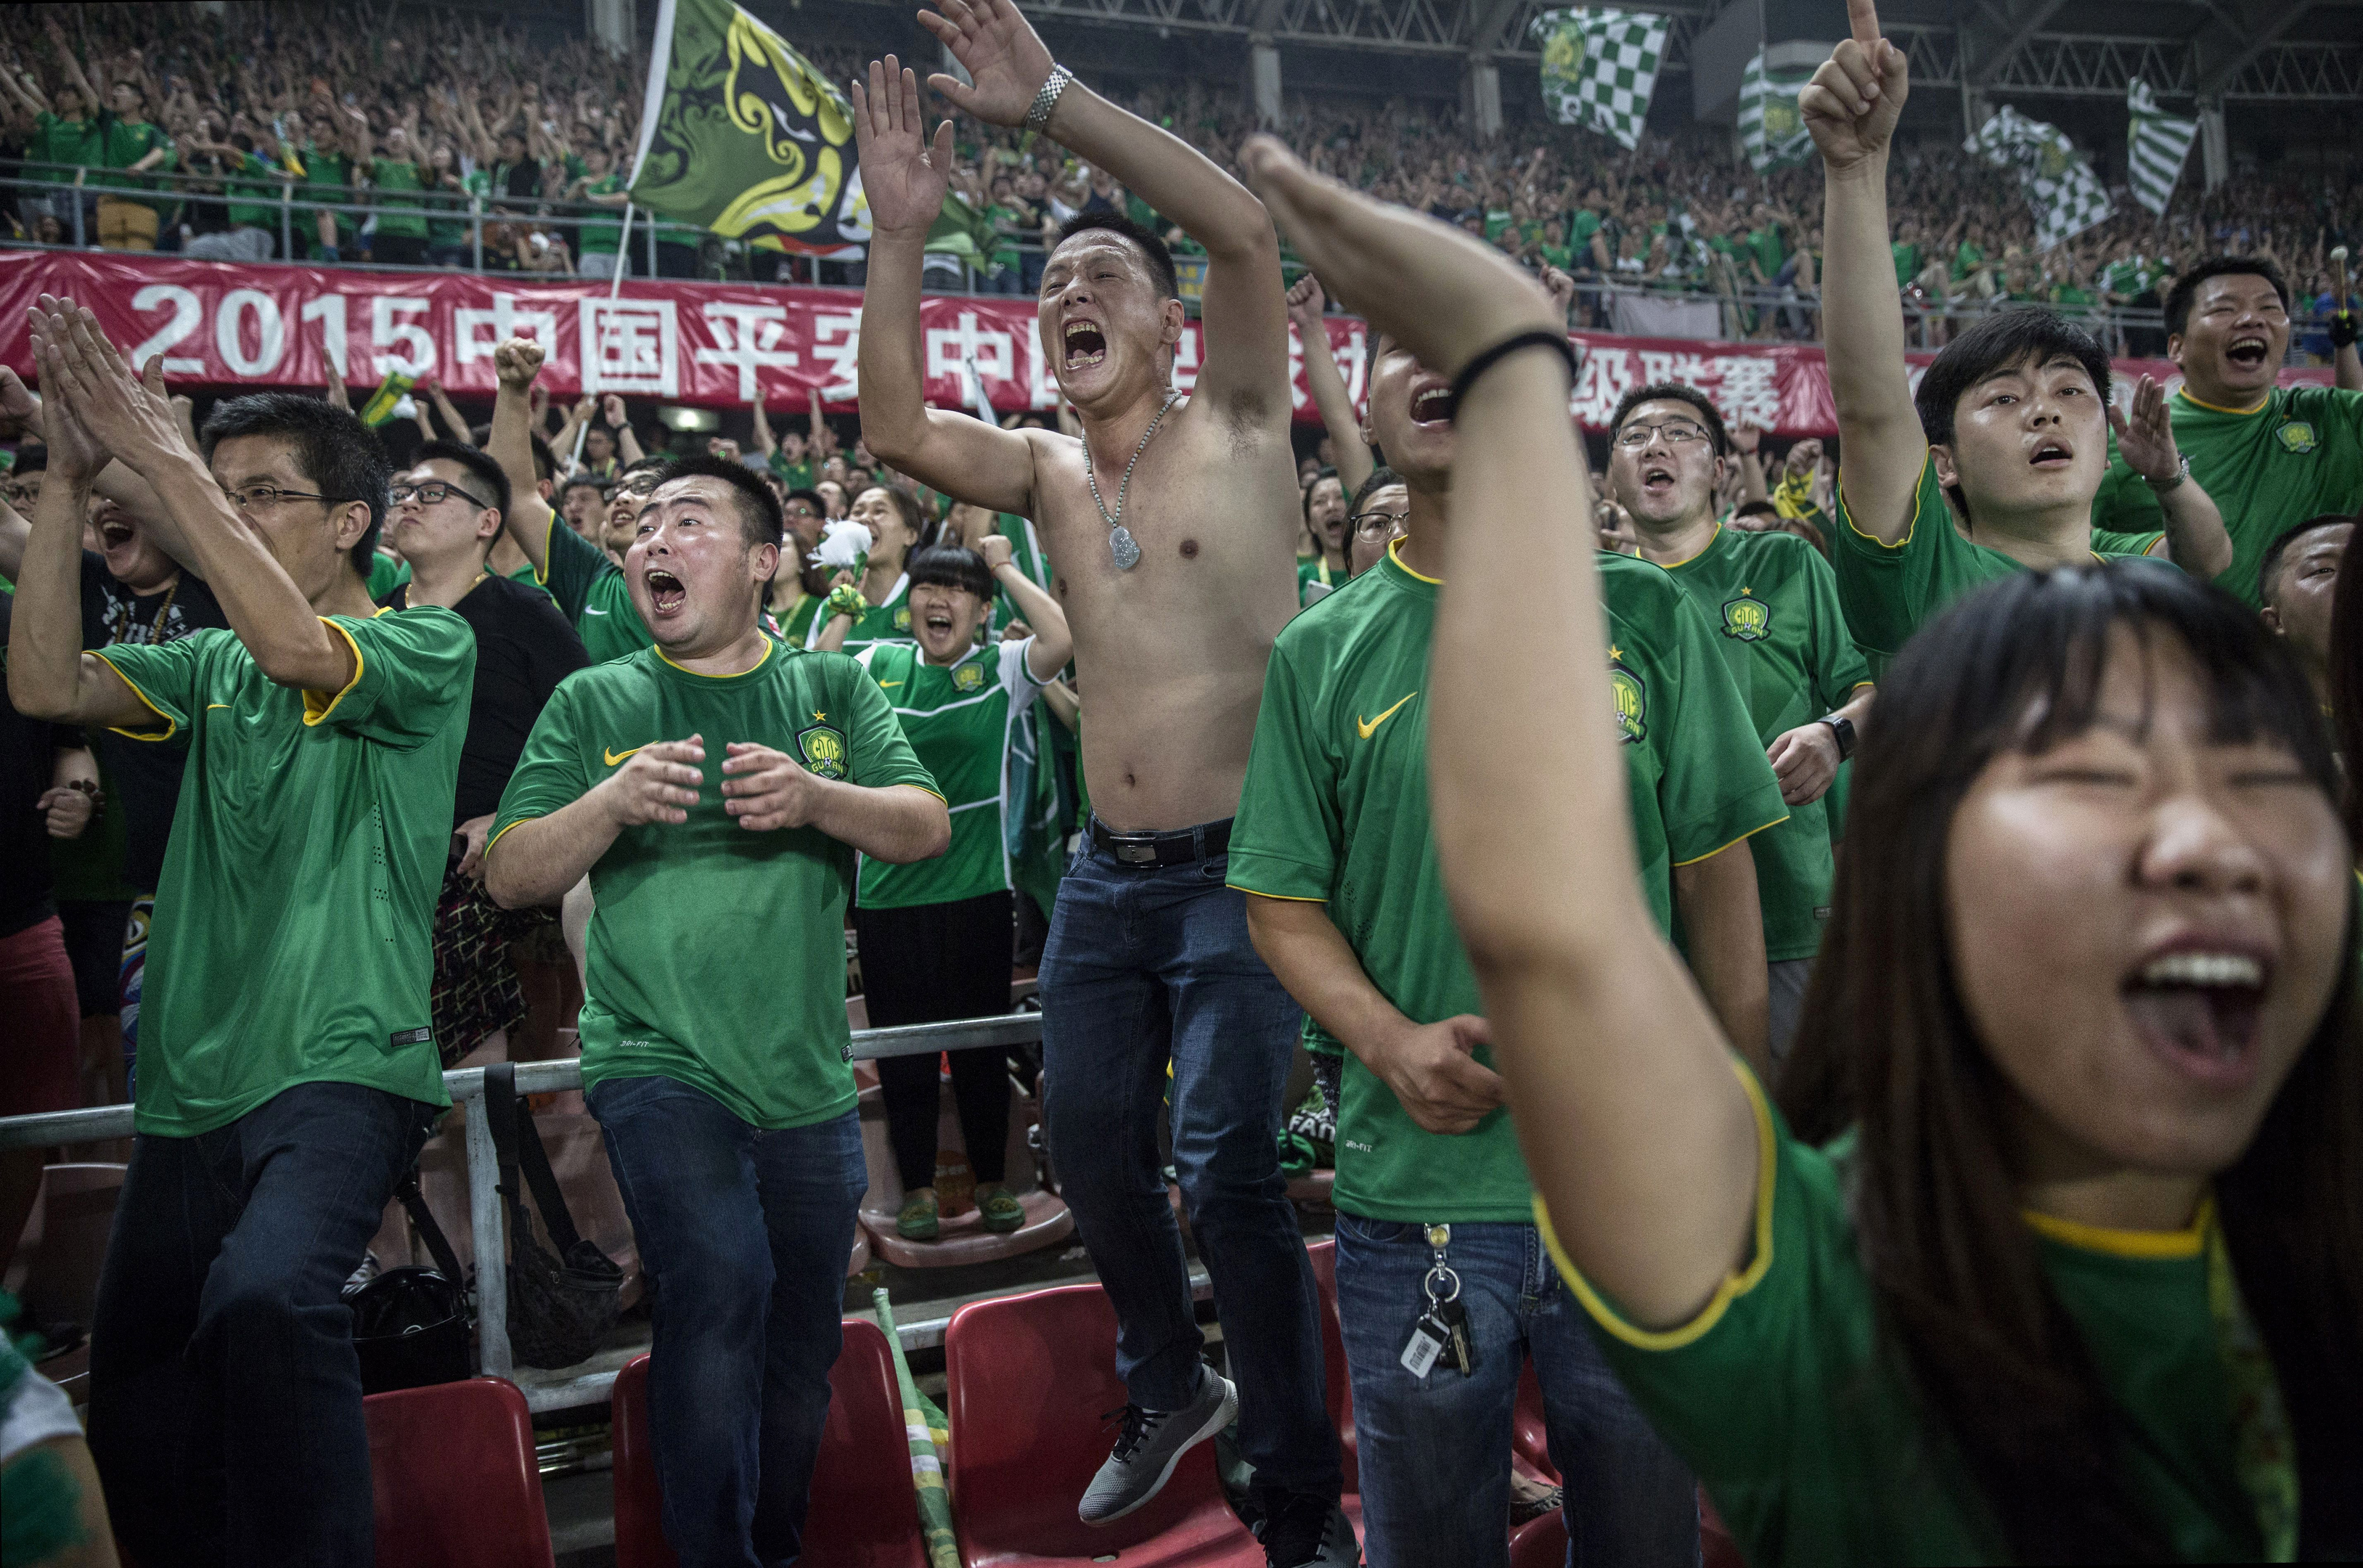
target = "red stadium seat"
x: 1528, y: 1441
x: 1539, y: 1543
x: 457, y: 1485
x: 865, y: 1506
x: 1029, y: 1379
x: 1333, y: 1368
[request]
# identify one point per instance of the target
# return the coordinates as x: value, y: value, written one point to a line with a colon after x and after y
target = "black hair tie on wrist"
x: 1541, y: 338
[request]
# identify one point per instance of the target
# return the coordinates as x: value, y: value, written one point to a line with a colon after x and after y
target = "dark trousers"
x: 224, y: 1395
x: 746, y: 1231
x: 922, y: 965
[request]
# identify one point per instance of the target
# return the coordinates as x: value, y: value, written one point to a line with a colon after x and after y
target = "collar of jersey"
x: 2184, y: 394
x: 1403, y: 575
x: 2153, y: 1245
x: 1701, y: 553
x: 765, y: 658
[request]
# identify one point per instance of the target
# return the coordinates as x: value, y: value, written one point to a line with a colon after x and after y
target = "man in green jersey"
x: 287, y: 1070
x: 597, y: 243
x: 715, y: 787
x: 2272, y: 455
x: 130, y: 207
x: 400, y: 233
x: 1334, y: 848
x: 1991, y: 465
x: 2297, y: 584
x: 1774, y: 603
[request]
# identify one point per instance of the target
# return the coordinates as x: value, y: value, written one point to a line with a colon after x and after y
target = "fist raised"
x: 516, y: 362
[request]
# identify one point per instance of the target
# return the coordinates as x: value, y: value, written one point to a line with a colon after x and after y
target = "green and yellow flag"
x: 744, y: 135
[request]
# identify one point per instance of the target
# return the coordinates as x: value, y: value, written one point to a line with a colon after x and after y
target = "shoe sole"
x: 1215, y: 1423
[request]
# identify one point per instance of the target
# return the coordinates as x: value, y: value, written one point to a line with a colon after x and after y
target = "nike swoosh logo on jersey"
x: 1370, y: 726
x: 615, y: 757
x: 883, y: 685
x: 589, y: 611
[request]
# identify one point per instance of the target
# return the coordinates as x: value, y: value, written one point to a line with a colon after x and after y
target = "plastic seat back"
x: 1029, y: 1381
x: 455, y: 1483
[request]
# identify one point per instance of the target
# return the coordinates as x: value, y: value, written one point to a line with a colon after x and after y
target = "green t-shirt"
x: 1775, y: 603
x: 1559, y: 256
x: 397, y: 214
x: 125, y: 142
x: 291, y: 941
x: 1967, y: 259
x: 1496, y: 221
x: 327, y: 177
x: 1334, y: 810
x: 592, y: 591
x: 888, y: 622
x: 65, y: 145
x: 1781, y: 1398
x: 961, y: 720
x: 717, y: 956
x: 253, y: 201
x: 1907, y: 262
x: 451, y: 224
x: 797, y: 624
x: 601, y: 238
x: 1312, y: 569
x: 1765, y: 245
x: 2296, y: 455
x: 795, y: 475
x: 1886, y: 592
x: 1582, y: 225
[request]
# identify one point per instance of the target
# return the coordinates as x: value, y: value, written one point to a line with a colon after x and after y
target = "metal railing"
x: 466, y: 1087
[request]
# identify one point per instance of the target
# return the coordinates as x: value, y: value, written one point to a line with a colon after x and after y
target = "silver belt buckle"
x: 1134, y: 850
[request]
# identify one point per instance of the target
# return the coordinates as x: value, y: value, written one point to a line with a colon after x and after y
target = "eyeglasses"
x: 255, y: 497
x: 1678, y: 432
x: 434, y: 492
x: 1377, y: 524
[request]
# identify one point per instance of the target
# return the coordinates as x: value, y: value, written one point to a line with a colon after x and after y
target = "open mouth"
x: 666, y: 595
x: 1432, y: 408
x: 2053, y: 454
x: 1086, y: 344
x: 114, y: 533
x: 2247, y: 350
x: 1656, y: 478
x: 2199, y: 1010
x: 938, y: 621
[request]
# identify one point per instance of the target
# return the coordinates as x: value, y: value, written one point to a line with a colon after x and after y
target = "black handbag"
x: 560, y: 1305
x: 410, y: 1324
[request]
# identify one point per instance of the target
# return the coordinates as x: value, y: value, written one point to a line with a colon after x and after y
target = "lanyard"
x: 2263, y: 1452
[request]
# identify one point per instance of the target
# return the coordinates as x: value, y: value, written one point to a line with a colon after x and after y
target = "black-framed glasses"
x: 434, y: 492
x: 255, y: 497
x: 1678, y: 432
x: 1377, y: 524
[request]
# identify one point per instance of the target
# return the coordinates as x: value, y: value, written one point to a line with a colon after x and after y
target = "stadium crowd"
x: 1856, y: 986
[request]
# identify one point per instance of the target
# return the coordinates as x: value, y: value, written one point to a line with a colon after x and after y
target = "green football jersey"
x: 797, y: 624
x: 1886, y: 592
x: 400, y: 209
x: 795, y: 475
x: 1775, y: 603
x: 1312, y: 569
x: 963, y: 721
x: 1779, y: 1396
x: 1334, y: 810
x: 293, y: 936
x: 601, y: 237
x: 2296, y: 455
x: 887, y: 622
x: 592, y: 591
x: 717, y: 955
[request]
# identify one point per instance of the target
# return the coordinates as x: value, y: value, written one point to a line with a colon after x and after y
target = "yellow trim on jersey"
x: 1847, y: 511
x: 2184, y: 393
x: 1720, y: 848
x: 1859, y: 684
x: 2187, y: 1242
x: 496, y: 837
x: 1685, y: 561
x: 1394, y: 553
x: 542, y: 573
x: 768, y: 646
x: 315, y: 710
x: 1734, y: 1285
x: 923, y: 789
x: 172, y: 725
x: 1284, y: 897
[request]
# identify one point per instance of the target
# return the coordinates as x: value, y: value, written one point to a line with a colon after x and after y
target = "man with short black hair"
x: 582, y: 502
x: 288, y: 1074
x: 2269, y: 454
x: 2296, y: 585
x: 715, y: 787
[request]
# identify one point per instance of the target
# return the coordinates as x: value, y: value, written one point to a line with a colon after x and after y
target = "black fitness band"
x: 1538, y: 338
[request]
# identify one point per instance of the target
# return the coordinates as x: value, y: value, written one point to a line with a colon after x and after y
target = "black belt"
x: 1176, y: 849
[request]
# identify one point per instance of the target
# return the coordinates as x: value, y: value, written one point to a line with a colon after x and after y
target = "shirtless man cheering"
x: 1174, y: 527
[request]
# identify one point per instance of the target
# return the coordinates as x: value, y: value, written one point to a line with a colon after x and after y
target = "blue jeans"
x: 224, y: 1395
x: 1144, y: 967
x: 1435, y: 1451
x: 746, y: 1232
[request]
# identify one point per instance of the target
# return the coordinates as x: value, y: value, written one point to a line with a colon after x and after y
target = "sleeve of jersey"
x: 569, y: 564
x: 551, y: 773
x: 1016, y: 674
x: 883, y: 757
x: 1284, y: 842
x: 411, y: 672
x: 1720, y: 1387
x: 170, y: 677
x: 1839, y: 665
x: 1717, y: 788
x: 1885, y: 588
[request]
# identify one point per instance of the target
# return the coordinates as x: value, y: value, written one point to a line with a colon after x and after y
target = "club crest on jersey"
x: 1632, y: 699
x: 968, y: 677
x: 823, y: 749
x: 2296, y: 436
x: 903, y: 617
x: 1746, y: 618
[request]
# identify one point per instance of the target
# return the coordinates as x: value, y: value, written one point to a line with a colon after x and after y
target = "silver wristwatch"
x: 1038, y: 116
x: 2162, y: 485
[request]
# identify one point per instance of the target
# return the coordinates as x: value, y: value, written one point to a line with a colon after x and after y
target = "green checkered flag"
x: 1600, y: 67
x: 1769, y: 126
x: 2155, y: 147
x: 2066, y: 197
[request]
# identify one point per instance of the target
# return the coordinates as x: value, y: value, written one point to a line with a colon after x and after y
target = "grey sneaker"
x: 1307, y: 1532
x: 1152, y: 1444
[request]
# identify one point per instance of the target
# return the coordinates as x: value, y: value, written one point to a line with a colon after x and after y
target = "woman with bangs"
x: 2053, y: 1249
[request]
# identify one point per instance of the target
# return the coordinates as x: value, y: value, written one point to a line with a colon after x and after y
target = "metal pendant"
x: 1121, y: 546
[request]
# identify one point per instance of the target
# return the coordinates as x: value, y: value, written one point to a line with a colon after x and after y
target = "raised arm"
x: 1243, y: 313
x: 449, y: 412
x: 619, y: 419
x: 1850, y: 106
x: 1633, y: 1123
x: 1328, y: 387
x: 2195, y: 535
x: 510, y: 444
x: 90, y: 94
x: 1054, y: 644
x: 905, y: 177
x: 49, y: 675
x: 765, y: 442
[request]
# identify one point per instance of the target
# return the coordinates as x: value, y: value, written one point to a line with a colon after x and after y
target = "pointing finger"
x: 1862, y: 17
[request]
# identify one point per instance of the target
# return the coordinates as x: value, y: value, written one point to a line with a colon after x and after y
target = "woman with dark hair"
x: 2061, y: 1258
x: 877, y: 608
x: 936, y: 935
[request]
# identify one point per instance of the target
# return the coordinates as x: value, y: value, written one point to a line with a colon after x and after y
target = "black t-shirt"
x: 145, y: 773
x: 525, y: 646
x: 27, y: 748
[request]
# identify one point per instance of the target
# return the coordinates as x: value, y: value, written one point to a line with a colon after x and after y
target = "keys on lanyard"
x: 1442, y: 1331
